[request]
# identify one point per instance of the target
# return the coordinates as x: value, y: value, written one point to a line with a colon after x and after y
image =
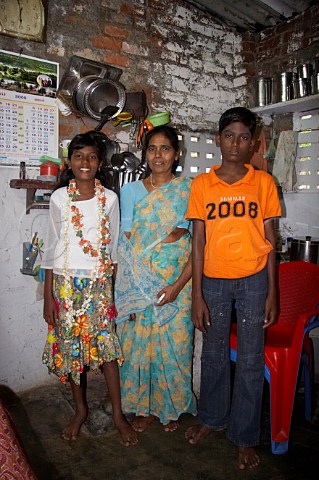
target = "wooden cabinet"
x: 31, y: 186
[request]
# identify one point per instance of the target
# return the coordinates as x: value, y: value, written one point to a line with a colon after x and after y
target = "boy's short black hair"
x: 238, y: 114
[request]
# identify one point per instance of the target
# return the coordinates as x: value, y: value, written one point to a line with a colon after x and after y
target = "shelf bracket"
x: 29, y: 199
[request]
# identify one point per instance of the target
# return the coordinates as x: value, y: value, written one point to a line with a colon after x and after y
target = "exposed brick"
x: 116, y: 31
x: 282, y: 28
x: 108, y: 43
x: 132, y: 10
x: 117, y: 60
x: 250, y: 69
x: 248, y: 56
x: 249, y: 46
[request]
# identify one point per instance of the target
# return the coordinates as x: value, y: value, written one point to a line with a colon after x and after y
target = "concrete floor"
x: 40, y: 414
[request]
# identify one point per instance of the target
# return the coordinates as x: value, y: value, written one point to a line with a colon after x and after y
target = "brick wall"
x: 185, y: 62
x: 281, y: 48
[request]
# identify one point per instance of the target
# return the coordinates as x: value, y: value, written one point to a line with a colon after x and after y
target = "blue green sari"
x: 156, y: 377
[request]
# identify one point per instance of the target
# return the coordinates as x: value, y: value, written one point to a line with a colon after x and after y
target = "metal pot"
x: 305, y: 249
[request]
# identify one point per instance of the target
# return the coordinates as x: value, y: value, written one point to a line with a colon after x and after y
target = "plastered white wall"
x: 22, y: 328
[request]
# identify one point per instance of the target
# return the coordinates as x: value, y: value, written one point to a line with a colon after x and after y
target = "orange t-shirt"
x: 234, y: 217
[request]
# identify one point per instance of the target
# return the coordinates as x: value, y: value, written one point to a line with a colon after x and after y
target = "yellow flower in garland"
x: 51, y: 338
x: 66, y: 292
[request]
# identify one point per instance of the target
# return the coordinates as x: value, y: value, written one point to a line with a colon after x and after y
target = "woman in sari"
x: 153, y: 290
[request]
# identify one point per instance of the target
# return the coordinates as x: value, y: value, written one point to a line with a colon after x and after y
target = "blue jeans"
x: 240, y: 411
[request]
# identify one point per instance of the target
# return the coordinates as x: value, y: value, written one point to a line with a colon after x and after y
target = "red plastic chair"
x: 287, y: 343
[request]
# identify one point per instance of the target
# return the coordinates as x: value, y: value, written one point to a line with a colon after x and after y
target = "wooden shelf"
x: 304, y: 104
x: 31, y: 186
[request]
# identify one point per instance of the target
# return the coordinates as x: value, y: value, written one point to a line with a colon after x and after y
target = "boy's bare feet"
x: 72, y: 430
x: 171, y: 426
x: 128, y: 435
x: 247, y: 457
x: 140, y: 424
x: 197, y: 433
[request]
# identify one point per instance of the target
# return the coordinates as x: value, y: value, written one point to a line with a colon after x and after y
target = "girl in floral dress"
x: 80, y: 261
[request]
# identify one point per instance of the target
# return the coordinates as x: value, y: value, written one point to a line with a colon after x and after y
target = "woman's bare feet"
x: 171, y: 426
x: 128, y: 435
x: 247, y: 457
x: 197, y: 433
x: 140, y: 424
x: 72, y: 430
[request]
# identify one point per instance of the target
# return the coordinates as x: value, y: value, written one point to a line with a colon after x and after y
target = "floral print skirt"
x: 91, y: 340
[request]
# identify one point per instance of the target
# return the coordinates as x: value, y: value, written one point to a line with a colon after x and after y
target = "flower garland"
x: 103, y: 269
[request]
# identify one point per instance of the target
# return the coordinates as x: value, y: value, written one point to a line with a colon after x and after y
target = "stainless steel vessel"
x: 305, y: 249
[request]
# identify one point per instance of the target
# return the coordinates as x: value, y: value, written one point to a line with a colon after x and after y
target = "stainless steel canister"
x: 300, y: 87
x: 263, y: 91
x: 306, y: 249
x: 305, y: 70
x: 314, y: 84
x: 284, y: 86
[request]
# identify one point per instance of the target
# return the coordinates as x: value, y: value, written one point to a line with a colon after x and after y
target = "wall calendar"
x: 29, y: 116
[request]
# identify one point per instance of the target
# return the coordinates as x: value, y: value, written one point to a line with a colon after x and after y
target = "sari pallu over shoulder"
x: 155, y: 216
x: 158, y: 214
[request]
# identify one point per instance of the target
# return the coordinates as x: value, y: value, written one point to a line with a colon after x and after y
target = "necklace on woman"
x: 103, y: 268
x: 154, y: 187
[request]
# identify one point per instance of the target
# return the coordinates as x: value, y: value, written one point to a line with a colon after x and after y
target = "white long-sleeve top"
x: 79, y: 263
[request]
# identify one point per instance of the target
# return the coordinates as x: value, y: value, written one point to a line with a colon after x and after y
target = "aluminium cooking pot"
x: 305, y: 249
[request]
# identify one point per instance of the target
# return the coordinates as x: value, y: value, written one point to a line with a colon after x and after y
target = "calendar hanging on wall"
x: 29, y: 116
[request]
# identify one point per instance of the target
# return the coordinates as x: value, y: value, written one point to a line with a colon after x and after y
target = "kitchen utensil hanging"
x: 94, y: 96
x: 106, y: 115
x: 79, y: 90
x: 78, y: 68
x: 101, y: 93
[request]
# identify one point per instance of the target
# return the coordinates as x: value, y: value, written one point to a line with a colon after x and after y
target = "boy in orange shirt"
x: 233, y: 260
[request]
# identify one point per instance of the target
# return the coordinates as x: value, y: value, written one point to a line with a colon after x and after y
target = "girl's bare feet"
x: 72, y: 430
x: 128, y: 435
x: 197, y: 433
x: 247, y: 457
x: 140, y: 424
x: 171, y: 426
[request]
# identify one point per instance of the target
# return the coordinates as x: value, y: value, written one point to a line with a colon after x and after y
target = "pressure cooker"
x: 306, y: 249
